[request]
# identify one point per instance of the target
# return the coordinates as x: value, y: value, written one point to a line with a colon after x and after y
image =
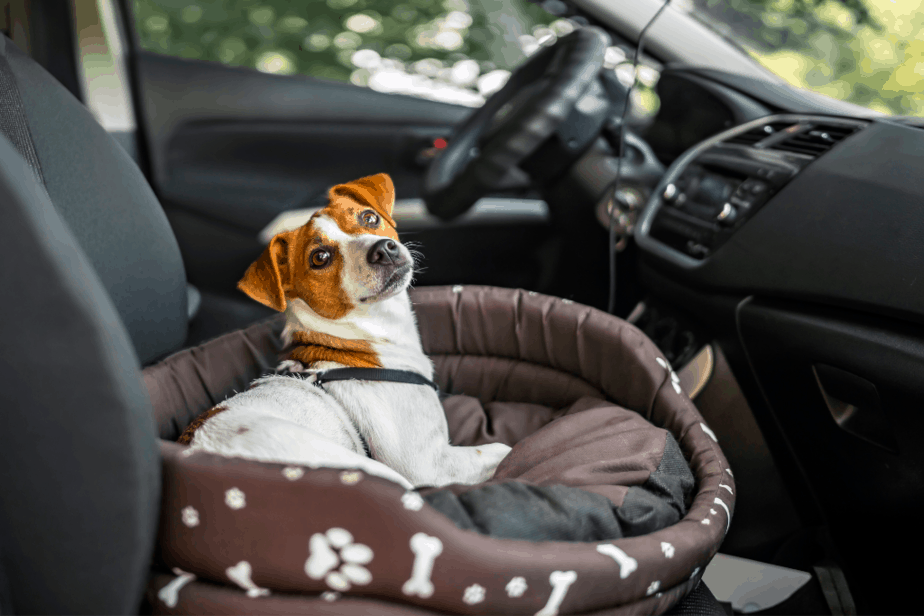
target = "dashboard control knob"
x: 757, y: 188
x: 728, y: 214
x: 670, y: 192
x: 696, y: 249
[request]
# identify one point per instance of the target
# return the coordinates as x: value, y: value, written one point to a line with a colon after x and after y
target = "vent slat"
x: 815, y: 140
x: 756, y: 135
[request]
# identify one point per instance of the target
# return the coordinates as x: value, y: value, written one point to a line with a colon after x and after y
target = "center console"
x: 715, y: 188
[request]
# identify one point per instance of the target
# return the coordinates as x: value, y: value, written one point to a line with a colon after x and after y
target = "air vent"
x: 815, y: 140
x: 759, y: 134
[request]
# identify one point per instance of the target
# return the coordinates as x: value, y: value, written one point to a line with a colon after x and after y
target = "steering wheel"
x: 514, y: 122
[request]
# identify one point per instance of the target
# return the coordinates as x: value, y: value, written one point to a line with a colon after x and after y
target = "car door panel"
x: 231, y: 149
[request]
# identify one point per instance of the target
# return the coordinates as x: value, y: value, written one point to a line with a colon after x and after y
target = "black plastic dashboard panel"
x: 847, y: 230
x: 845, y: 389
x: 694, y: 108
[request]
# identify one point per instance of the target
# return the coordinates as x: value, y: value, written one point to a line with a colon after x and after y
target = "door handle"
x: 855, y: 406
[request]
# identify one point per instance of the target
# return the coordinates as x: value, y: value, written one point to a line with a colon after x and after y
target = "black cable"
x: 621, y: 154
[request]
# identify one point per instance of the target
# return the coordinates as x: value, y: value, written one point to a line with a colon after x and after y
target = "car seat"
x: 95, y: 289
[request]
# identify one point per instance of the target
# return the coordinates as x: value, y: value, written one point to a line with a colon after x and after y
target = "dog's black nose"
x: 384, y: 252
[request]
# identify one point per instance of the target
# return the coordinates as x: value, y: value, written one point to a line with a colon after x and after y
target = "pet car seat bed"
x: 614, y: 498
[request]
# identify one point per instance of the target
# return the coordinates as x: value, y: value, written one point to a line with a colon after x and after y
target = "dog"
x: 342, y: 281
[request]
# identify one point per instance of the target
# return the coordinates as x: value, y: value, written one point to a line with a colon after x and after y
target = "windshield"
x: 867, y: 52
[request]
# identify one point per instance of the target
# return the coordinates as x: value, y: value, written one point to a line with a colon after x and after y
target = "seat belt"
x: 13, y: 122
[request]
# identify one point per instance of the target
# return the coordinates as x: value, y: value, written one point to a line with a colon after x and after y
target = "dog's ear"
x: 267, y: 278
x: 376, y: 191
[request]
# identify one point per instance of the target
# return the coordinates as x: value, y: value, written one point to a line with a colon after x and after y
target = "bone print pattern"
x: 675, y: 380
x: 721, y: 503
x: 627, y: 564
x: 170, y: 594
x: 708, y: 431
x: 425, y: 549
x: 334, y: 549
x: 240, y: 575
x: 561, y: 581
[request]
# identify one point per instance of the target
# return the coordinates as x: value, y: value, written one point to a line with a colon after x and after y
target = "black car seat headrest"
x: 81, y: 471
x: 101, y: 194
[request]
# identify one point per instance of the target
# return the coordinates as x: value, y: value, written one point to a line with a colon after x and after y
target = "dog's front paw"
x: 491, y: 455
x: 290, y: 365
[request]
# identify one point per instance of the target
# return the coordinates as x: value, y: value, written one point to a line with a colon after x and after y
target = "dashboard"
x: 793, y: 236
x: 800, y: 206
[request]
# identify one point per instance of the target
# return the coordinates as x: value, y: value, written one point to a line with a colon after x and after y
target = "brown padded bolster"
x: 520, y: 360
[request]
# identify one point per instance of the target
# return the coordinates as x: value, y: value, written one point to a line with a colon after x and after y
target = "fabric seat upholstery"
x: 80, y: 470
x: 101, y: 194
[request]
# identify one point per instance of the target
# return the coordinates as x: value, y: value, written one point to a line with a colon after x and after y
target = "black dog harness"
x: 369, y: 374
x: 366, y: 374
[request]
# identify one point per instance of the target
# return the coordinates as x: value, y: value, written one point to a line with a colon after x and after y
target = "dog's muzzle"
x: 385, y: 252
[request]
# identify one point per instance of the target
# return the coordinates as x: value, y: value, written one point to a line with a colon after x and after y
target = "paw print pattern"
x: 516, y: 587
x: 336, y: 559
x: 234, y: 498
x: 653, y: 588
x: 293, y: 473
x: 190, y: 517
x: 473, y: 594
x: 350, y: 478
x: 668, y: 549
x: 412, y: 501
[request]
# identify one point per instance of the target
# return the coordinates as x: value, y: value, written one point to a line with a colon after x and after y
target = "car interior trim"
x: 676, y: 37
x: 412, y: 213
x: 788, y: 166
x: 695, y: 375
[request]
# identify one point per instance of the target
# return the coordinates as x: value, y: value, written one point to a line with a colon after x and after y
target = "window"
x: 456, y: 51
x: 868, y: 52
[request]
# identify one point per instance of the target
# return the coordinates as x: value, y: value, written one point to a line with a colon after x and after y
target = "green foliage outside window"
x: 868, y: 52
x: 322, y: 38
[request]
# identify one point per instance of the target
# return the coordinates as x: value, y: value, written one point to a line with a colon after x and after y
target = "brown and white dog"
x: 342, y: 281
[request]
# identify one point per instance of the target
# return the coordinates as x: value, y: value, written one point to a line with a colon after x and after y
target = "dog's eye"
x: 319, y: 258
x: 370, y: 218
